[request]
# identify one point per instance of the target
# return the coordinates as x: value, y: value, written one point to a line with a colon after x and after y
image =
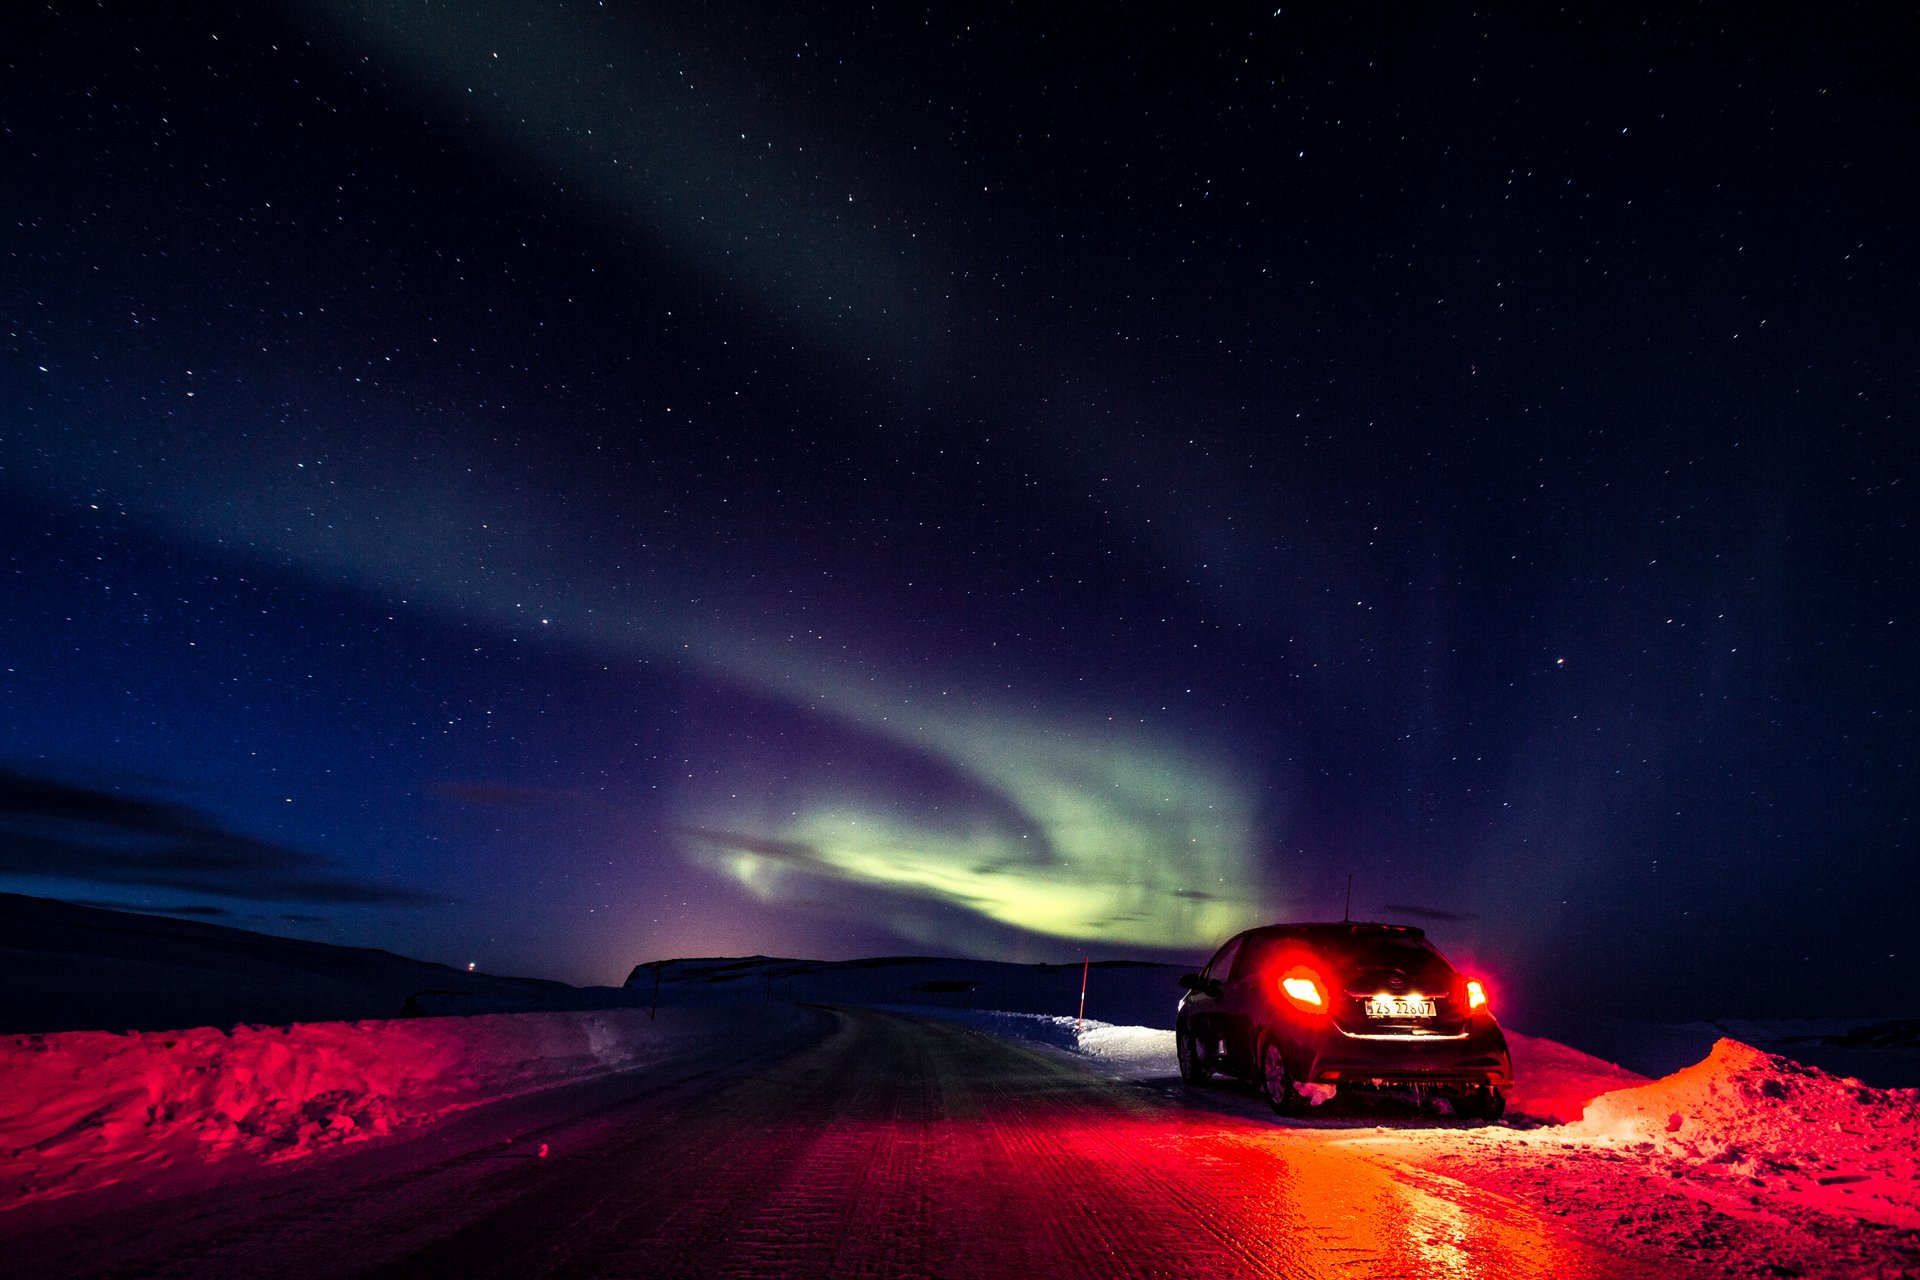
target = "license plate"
x: 1385, y: 1006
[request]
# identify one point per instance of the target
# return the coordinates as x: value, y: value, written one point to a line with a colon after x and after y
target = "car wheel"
x: 1483, y: 1103
x: 1195, y: 1066
x: 1276, y: 1082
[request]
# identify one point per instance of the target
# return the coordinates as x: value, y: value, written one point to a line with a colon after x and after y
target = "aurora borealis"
x: 557, y: 488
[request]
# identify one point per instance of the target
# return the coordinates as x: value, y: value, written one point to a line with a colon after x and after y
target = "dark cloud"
x: 1109, y: 922
x: 197, y: 912
x: 51, y: 829
x: 1196, y: 895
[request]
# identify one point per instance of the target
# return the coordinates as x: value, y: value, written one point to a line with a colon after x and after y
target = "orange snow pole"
x: 1084, y: 963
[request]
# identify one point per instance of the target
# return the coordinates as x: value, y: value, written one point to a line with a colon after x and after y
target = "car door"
x: 1204, y: 1004
x: 1242, y: 1004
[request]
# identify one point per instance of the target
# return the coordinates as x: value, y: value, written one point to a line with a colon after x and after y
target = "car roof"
x: 1340, y: 931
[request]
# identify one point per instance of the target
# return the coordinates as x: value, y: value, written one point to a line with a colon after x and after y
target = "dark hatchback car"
x: 1296, y: 1008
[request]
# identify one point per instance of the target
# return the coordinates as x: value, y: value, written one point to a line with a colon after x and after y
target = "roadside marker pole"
x: 1084, y: 963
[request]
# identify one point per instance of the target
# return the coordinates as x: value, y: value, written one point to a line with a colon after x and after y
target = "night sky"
x: 559, y: 485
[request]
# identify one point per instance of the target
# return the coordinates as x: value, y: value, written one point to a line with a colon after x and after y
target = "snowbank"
x: 80, y: 1110
x: 1554, y: 1082
x: 1773, y: 1123
x: 1135, y: 1052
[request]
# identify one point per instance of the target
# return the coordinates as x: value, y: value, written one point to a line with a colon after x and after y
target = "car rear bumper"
x: 1481, y: 1058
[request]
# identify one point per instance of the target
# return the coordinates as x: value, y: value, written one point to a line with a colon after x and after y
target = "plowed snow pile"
x: 86, y: 1109
x: 1553, y: 1081
x: 1778, y: 1125
x: 1743, y: 1165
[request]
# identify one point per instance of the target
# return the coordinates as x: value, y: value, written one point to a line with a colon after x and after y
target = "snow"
x: 1761, y: 1120
x: 1130, y: 1051
x: 1553, y: 1082
x: 1743, y: 1164
x: 1739, y: 1159
x: 1125, y: 992
x: 82, y: 1110
x: 1881, y: 1051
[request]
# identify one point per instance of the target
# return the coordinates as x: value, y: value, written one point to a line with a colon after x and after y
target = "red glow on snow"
x: 79, y: 1109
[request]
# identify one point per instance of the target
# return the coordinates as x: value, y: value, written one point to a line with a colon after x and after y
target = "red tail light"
x: 1303, y: 987
x: 1476, y: 995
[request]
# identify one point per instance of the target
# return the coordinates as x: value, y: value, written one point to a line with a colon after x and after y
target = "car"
x: 1304, y: 1010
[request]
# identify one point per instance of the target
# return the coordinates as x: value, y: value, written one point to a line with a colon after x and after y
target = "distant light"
x: 469, y: 966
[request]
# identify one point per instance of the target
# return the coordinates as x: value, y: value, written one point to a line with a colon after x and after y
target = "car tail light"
x: 1303, y: 987
x: 1476, y: 995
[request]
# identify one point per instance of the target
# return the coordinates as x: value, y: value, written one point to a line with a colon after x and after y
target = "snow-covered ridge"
x: 86, y: 1109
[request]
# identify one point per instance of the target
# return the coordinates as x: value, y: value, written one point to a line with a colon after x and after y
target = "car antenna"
x: 1348, y: 917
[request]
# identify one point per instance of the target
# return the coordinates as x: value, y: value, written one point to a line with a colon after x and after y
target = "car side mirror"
x: 1193, y: 982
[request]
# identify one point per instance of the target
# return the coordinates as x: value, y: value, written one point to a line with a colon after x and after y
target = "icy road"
x: 889, y: 1146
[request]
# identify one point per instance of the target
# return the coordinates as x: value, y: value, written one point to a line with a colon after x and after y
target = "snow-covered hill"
x: 1124, y: 992
x: 67, y: 967
x: 1742, y: 1162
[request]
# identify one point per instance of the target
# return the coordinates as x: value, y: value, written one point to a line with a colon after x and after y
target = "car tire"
x: 1483, y: 1103
x: 1275, y: 1080
x: 1196, y: 1066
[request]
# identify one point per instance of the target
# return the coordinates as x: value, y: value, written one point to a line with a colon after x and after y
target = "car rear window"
x: 1400, y: 952
x: 1397, y: 951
